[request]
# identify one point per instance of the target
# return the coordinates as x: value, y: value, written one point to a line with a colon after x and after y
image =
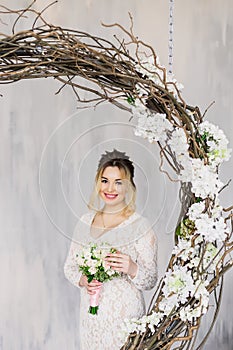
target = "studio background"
x: 49, y: 153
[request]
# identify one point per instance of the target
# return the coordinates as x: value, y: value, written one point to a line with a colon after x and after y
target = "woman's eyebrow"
x: 102, y: 177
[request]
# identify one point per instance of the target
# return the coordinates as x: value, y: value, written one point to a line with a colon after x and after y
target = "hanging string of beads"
x: 170, y: 40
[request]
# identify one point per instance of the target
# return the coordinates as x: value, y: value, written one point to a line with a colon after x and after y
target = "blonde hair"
x: 131, y: 188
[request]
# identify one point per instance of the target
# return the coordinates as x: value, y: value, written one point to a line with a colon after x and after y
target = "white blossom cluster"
x: 139, y: 325
x: 152, y: 126
x: 216, y: 142
x: 178, y: 281
x: 204, y: 179
x: 179, y: 144
x: 209, y: 225
x: 190, y: 254
x: 189, y: 279
x: 187, y: 313
x: 178, y: 288
x: 159, y: 75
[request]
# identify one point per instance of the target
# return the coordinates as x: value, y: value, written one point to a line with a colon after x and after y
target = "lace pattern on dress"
x: 122, y: 297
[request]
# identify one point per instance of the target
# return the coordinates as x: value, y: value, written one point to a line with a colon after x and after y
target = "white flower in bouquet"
x: 92, y: 264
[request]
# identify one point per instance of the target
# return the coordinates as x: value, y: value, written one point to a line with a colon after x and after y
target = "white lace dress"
x: 121, y: 297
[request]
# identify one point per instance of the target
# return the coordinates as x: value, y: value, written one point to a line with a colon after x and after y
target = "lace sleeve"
x: 71, y: 269
x: 146, y: 248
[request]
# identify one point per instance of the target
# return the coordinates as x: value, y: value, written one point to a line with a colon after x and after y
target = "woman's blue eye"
x: 119, y: 183
x: 103, y: 180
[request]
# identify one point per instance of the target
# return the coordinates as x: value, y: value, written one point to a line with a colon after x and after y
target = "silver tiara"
x: 108, y: 156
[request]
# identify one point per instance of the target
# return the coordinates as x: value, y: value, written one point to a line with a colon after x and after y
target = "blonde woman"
x: 119, y: 224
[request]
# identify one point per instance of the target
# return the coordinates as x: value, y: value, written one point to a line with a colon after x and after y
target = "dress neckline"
x: 126, y: 221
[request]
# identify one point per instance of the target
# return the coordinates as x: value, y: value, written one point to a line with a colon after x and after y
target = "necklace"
x: 102, y: 218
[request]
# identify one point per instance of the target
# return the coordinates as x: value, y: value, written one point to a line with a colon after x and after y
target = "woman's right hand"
x: 90, y: 287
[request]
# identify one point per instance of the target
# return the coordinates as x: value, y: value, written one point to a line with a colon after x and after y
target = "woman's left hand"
x: 122, y: 263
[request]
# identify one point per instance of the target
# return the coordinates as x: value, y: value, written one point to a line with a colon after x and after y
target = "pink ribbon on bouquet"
x: 94, y: 298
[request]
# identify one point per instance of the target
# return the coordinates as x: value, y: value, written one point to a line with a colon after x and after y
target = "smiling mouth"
x: 110, y: 196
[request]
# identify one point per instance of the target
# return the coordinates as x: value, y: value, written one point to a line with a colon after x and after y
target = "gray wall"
x: 48, y: 163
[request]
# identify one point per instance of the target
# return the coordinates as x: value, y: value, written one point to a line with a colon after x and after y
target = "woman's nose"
x: 111, y: 187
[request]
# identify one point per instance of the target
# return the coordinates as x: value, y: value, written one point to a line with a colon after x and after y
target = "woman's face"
x: 113, y: 186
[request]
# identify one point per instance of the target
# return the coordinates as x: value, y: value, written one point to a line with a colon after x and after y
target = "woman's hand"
x: 122, y: 263
x: 90, y: 287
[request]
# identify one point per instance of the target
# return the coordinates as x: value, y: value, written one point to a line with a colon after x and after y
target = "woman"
x: 130, y: 233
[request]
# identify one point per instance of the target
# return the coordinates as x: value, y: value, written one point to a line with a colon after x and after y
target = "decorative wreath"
x: 129, y: 75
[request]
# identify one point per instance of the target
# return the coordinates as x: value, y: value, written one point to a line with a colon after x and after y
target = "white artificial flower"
x: 195, y: 210
x: 158, y: 75
x: 211, y: 257
x: 211, y: 229
x: 92, y: 263
x: 183, y: 244
x: 80, y: 260
x: 216, y: 142
x: 167, y: 305
x: 202, y: 295
x: 204, y: 179
x: 178, y: 143
x: 92, y: 270
x: 147, y: 68
x: 180, y: 282
x: 184, y: 250
x: 127, y: 327
x: 139, y: 325
x: 141, y: 90
x: 194, y: 262
x: 173, y: 85
x: 110, y: 272
x: 216, y: 211
x: 153, y: 126
x: 187, y: 313
x: 155, y: 318
x: 186, y: 174
x: 87, y: 253
x: 139, y: 107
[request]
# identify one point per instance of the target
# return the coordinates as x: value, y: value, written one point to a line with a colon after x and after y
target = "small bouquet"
x: 91, y: 263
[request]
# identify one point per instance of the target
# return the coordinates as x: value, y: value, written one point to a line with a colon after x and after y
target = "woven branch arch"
x: 127, y: 73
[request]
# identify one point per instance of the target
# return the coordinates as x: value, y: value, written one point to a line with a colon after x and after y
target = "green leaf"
x: 131, y: 100
x: 90, y: 278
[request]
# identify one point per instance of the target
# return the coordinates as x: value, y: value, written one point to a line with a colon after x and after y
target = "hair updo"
x: 126, y: 167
